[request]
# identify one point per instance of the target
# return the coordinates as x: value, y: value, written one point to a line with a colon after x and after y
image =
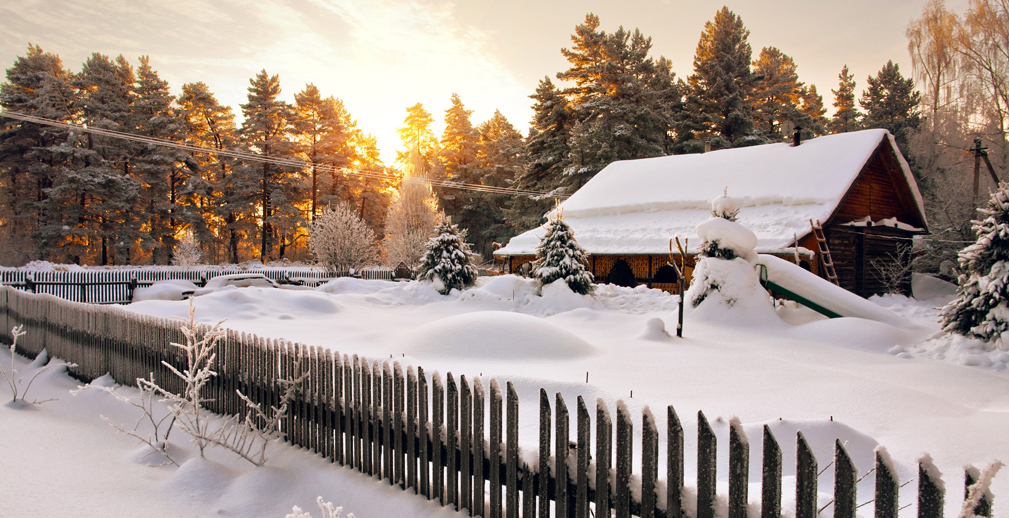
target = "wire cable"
x: 284, y: 162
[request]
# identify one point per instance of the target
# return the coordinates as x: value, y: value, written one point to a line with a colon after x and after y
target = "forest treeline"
x: 69, y: 196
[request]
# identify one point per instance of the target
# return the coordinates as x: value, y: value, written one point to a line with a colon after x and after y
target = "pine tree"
x: 847, y: 116
x: 500, y: 160
x: 420, y: 141
x: 813, y: 111
x: 717, y: 106
x: 776, y: 95
x: 891, y: 102
x: 559, y: 256
x: 981, y: 309
x: 212, y: 185
x: 324, y: 136
x: 34, y: 158
x: 374, y: 191
x: 267, y: 130
x: 457, y: 163
x: 547, y: 148
x: 447, y: 260
x: 622, y: 99
x: 99, y: 199
x: 159, y: 168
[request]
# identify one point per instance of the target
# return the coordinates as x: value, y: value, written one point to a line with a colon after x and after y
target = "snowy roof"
x: 635, y: 206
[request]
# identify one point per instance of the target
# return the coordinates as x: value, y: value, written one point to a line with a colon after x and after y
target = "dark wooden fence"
x: 117, y: 286
x: 453, y: 440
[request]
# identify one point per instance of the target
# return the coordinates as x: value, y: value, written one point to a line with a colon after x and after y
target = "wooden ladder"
x: 821, y: 243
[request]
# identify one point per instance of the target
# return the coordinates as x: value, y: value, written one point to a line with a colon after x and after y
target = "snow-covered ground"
x: 907, y: 388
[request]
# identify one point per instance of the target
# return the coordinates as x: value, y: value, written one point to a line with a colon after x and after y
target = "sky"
x: 382, y: 56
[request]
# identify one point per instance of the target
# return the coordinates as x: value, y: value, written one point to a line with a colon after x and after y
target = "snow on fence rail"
x: 116, y: 287
x: 430, y: 436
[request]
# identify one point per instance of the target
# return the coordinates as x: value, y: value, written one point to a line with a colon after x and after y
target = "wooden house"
x: 857, y: 185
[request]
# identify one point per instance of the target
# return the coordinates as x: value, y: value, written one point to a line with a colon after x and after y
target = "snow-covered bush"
x: 14, y: 379
x: 559, y: 256
x: 341, y: 240
x: 981, y: 308
x: 327, y: 508
x: 447, y: 261
x: 187, y: 252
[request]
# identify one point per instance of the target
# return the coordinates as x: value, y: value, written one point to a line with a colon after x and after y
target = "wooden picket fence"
x: 449, y: 440
x: 117, y: 286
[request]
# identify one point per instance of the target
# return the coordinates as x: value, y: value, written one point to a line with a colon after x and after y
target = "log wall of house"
x: 880, y: 191
x: 854, y: 251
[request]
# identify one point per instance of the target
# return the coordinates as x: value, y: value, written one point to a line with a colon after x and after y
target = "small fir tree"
x: 981, y: 308
x: 726, y: 208
x: 559, y: 256
x: 447, y: 261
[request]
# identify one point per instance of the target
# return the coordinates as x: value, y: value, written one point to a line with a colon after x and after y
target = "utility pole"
x: 981, y: 153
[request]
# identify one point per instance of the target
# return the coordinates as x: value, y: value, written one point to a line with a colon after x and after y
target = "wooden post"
x: 582, y: 467
x: 930, y: 489
x: 387, y: 439
x: 512, y: 453
x: 739, y: 469
x: 465, y: 435
x: 805, y: 479
x: 348, y: 411
x: 971, y: 475
x: 422, y: 434
x: 604, y: 457
x: 376, y: 419
x: 452, y: 443
x: 544, y: 472
x: 887, y: 486
x: 437, y: 434
x: 561, y: 450
x: 649, y: 463
x: 495, y: 449
x: 625, y: 454
x: 674, y: 464
x: 411, y: 429
x: 770, y: 486
x: 397, y: 421
x: 367, y: 420
x: 477, y: 442
x: 706, y: 450
x: 845, y: 487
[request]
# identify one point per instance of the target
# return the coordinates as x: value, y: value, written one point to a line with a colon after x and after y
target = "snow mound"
x: 655, y: 330
x: 927, y: 287
x: 496, y: 335
x: 958, y: 349
x: 729, y: 293
x: 637, y: 300
x: 232, y: 303
x: 164, y: 290
x: 820, y: 434
x: 352, y: 285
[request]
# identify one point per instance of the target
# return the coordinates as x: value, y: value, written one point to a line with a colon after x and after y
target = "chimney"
x: 707, y: 146
x: 797, y: 136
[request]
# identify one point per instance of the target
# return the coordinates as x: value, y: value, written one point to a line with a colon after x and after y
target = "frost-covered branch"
x: 249, y: 437
x: 14, y: 379
x: 327, y: 508
x: 145, y: 403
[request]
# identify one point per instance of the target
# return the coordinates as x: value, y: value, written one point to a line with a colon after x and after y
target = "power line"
x: 286, y: 162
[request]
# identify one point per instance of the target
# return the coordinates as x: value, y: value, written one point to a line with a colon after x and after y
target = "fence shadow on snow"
x: 429, y: 435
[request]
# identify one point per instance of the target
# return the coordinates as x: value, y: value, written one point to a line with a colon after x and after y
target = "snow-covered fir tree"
x: 981, y: 308
x: 722, y: 207
x: 559, y: 256
x: 447, y: 261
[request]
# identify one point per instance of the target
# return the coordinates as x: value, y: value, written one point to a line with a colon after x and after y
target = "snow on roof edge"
x: 906, y: 169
